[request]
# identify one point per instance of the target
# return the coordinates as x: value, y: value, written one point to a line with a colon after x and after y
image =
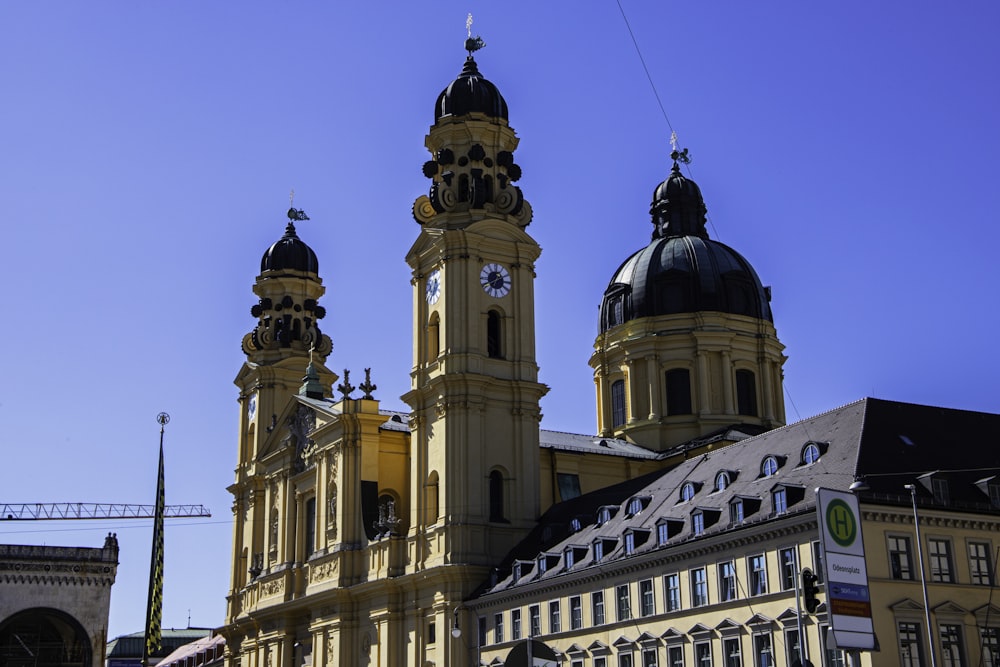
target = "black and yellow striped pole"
x: 154, y: 603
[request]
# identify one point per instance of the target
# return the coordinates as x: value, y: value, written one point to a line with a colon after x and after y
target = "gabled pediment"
x: 699, y: 629
x: 949, y: 608
x: 788, y: 617
x: 905, y: 605
x: 623, y: 642
x: 672, y: 636
x: 597, y: 647
x: 728, y: 626
x: 759, y: 620
x: 988, y: 610
x: 645, y: 639
x: 576, y: 651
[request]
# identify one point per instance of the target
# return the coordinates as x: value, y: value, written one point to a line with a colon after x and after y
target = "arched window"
x: 746, y: 393
x: 494, y: 341
x: 617, y: 403
x: 496, y: 496
x: 431, y: 498
x: 810, y: 453
x: 433, y: 338
x: 721, y: 481
x: 43, y: 636
x: 687, y: 492
x: 769, y: 466
x: 678, y: 391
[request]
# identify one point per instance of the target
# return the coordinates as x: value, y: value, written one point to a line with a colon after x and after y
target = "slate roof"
x: 888, y: 443
x: 130, y: 646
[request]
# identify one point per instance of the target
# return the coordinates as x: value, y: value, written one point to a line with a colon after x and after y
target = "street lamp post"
x: 923, y: 577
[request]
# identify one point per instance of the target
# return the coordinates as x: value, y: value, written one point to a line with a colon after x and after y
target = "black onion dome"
x: 289, y: 252
x: 470, y: 93
x: 682, y: 270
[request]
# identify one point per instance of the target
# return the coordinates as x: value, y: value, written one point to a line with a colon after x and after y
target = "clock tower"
x: 474, y: 383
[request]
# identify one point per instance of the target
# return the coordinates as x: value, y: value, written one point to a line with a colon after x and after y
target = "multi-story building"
x: 699, y: 564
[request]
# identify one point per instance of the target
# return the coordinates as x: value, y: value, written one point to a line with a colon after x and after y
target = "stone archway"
x: 44, y: 637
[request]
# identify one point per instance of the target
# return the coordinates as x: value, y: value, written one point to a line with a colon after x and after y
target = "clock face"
x: 433, y: 289
x: 495, y: 280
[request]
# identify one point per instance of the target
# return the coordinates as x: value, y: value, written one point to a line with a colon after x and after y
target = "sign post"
x: 847, y: 592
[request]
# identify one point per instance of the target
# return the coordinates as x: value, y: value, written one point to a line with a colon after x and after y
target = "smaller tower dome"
x: 682, y: 270
x: 470, y: 93
x: 289, y: 252
x: 678, y: 208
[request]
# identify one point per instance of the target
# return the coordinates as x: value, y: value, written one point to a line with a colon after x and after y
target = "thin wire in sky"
x: 642, y: 60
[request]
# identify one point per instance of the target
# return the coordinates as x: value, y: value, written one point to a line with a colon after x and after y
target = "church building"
x: 448, y: 534
x: 360, y: 533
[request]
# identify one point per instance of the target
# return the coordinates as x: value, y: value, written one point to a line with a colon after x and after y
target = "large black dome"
x: 289, y: 252
x: 682, y: 270
x: 470, y: 93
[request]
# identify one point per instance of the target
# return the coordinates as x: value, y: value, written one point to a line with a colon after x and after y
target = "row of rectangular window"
x: 939, y: 557
x: 951, y: 637
x: 730, y: 588
x: 762, y: 646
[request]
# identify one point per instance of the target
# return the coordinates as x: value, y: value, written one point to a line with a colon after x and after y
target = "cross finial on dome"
x: 472, y: 44
x: 678, y: 156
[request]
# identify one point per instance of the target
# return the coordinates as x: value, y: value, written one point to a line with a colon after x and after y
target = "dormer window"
x: 736, y: 511
x: 602, y: 547
x: 546, y: 560
x: 634, y: 539
x: 779, y: 500
x: 629, y: 544
x: 994, y: 490
x: 636, y: 505
x: 769, y: 466
x: 810, y: 453
x: 687, y: 492
x: 666, y: 529
x: 575, y: 525
x: 568, y: 557
x: 603, y: 516
x: 722, y: 481
x: 939, y: 488
x: 517, y: 572
x: 698, y: 523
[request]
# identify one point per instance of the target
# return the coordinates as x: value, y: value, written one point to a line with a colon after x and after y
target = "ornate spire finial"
x: 296, y: 214
x: 367, y: 385
x: 472, y: 44
x: 678, y: 155
x: 291, y: 197
x: 345, y: 387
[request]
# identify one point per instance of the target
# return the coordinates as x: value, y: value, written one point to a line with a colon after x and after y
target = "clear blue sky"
x: 848, y: 149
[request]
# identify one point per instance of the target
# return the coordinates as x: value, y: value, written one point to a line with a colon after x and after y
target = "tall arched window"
x: 496, y: 496
x: 431, y: 498
x: 494, y: 342
x: 433, y: 338
x: 746, y: 393
x: 617, y: 403
x: 678, y: 391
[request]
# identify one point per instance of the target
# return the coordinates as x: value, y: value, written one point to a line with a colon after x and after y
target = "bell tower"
x: 474, y: 383
x: 285, y: 346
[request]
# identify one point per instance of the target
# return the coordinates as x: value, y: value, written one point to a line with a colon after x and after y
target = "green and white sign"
x: 847, y: 595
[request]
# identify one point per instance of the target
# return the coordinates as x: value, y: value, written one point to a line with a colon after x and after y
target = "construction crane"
x: 56, y: 511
